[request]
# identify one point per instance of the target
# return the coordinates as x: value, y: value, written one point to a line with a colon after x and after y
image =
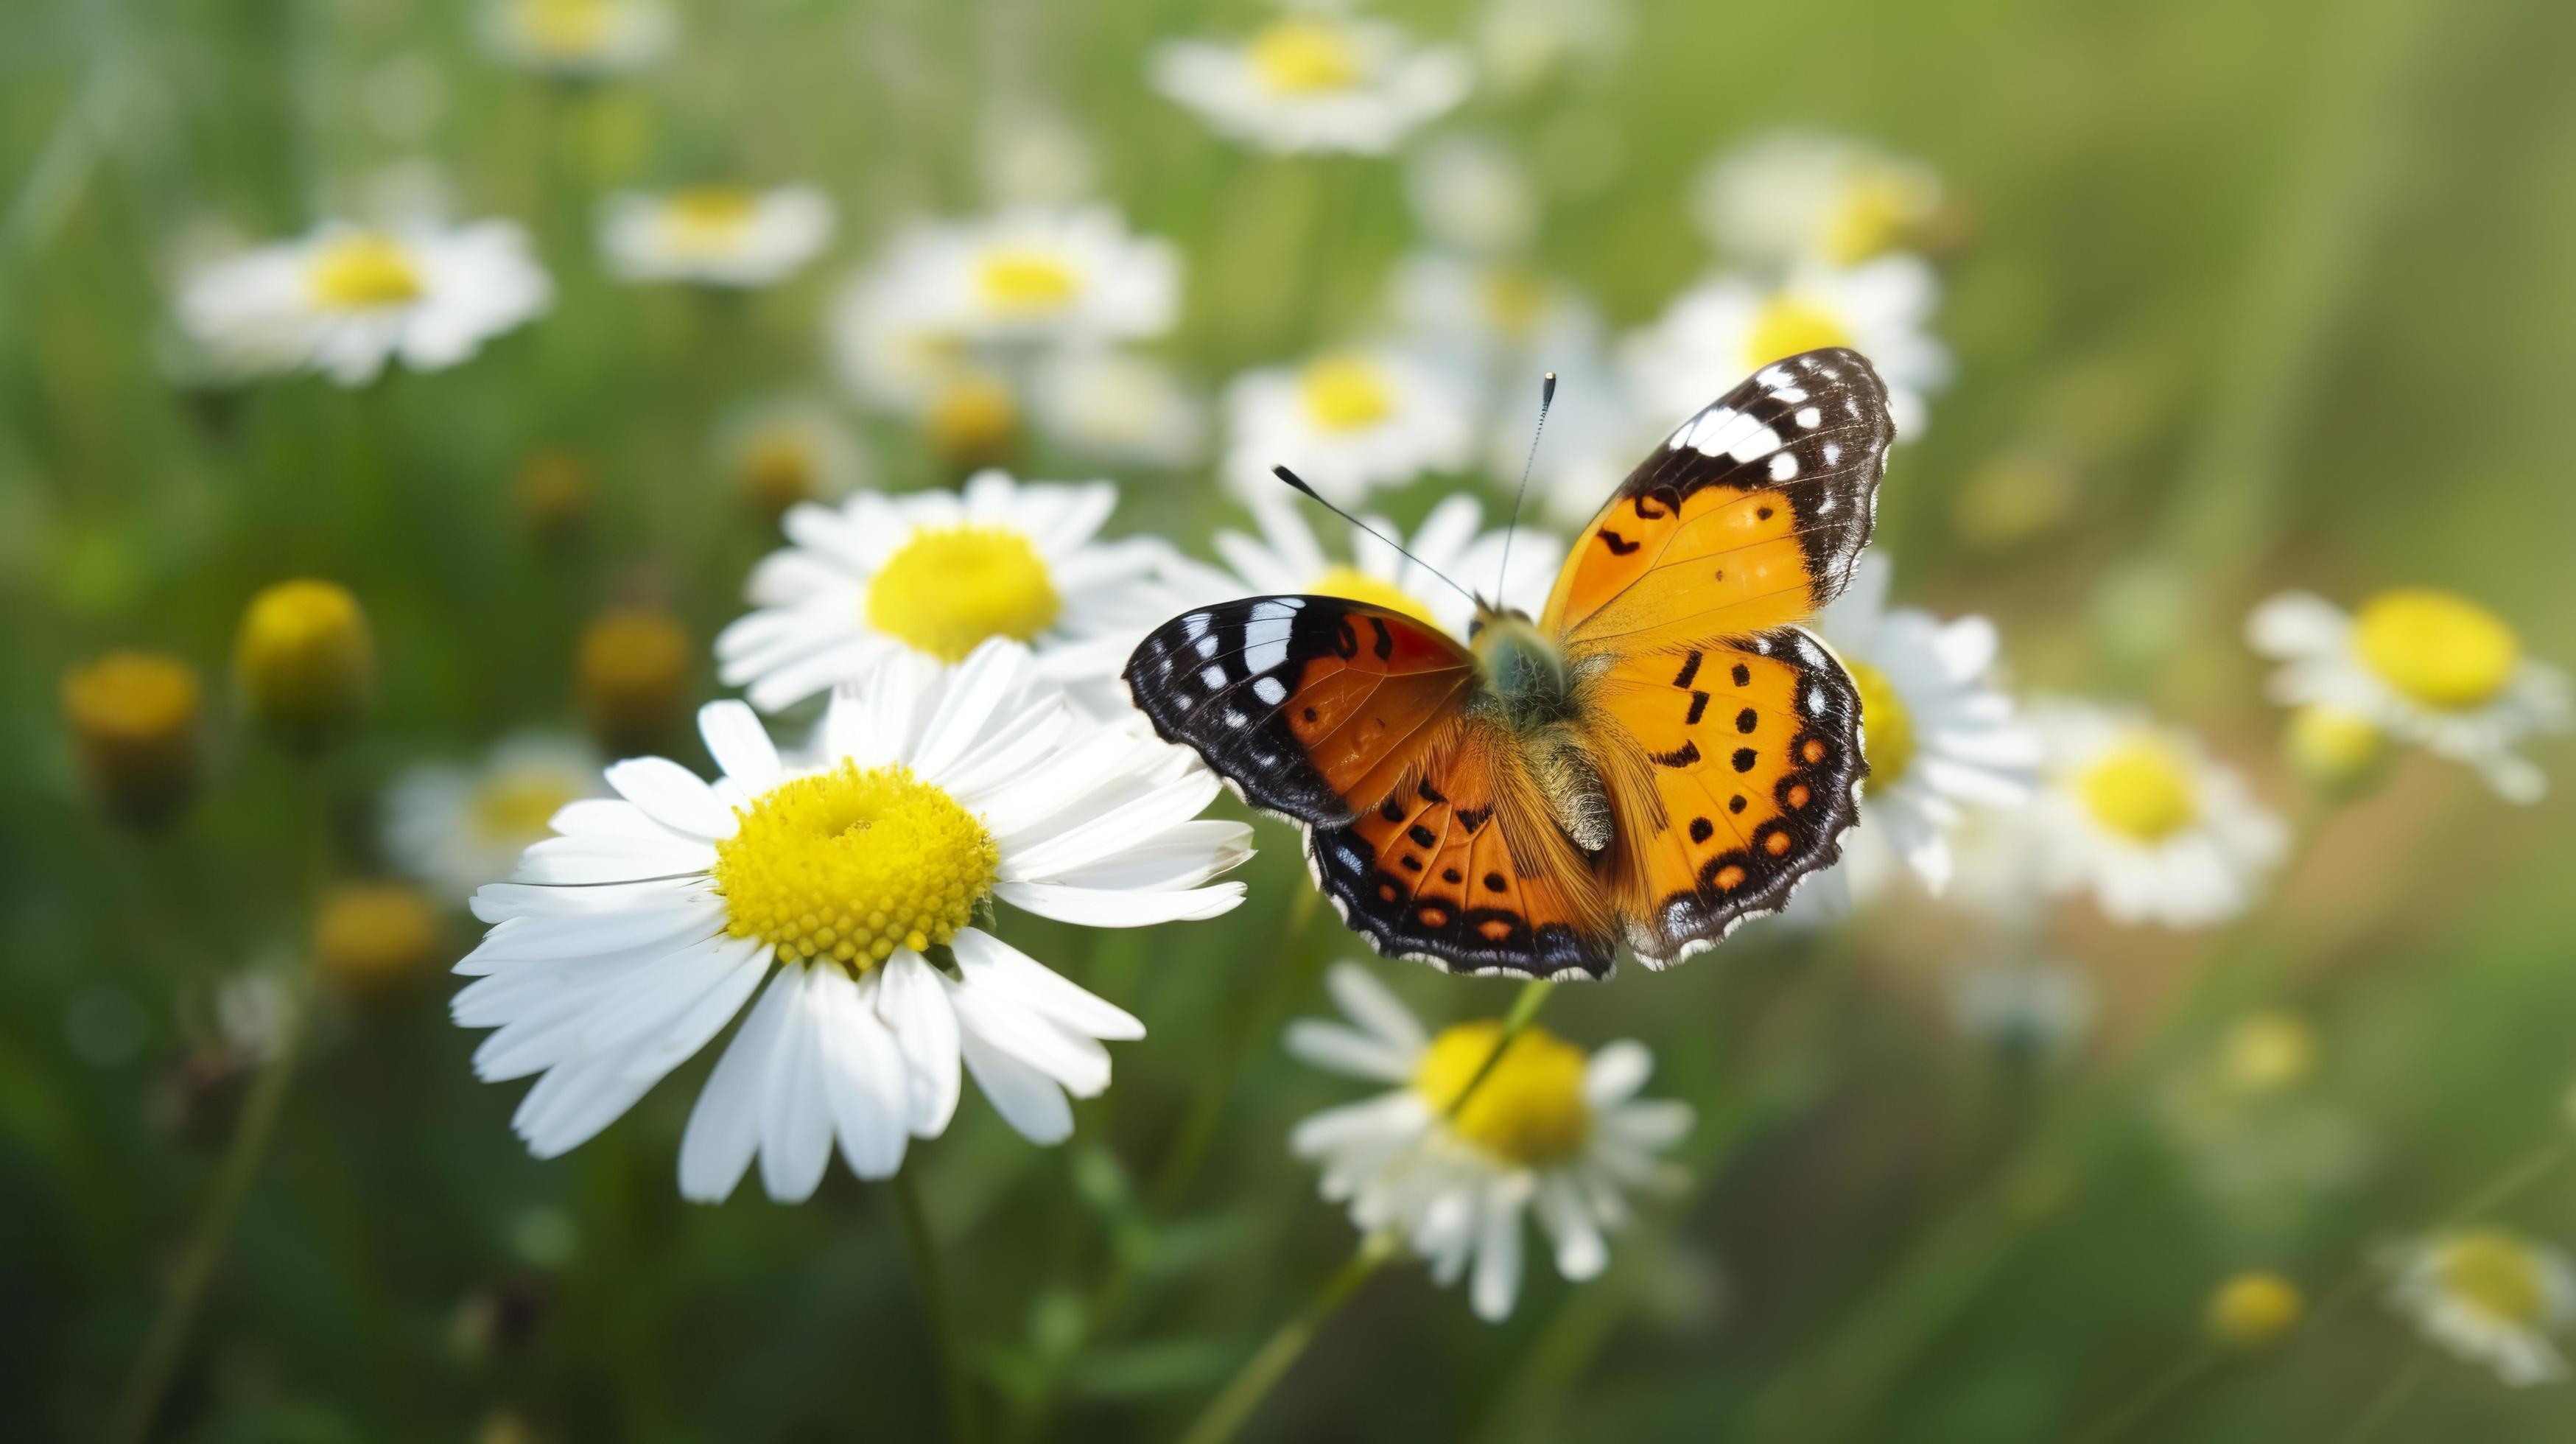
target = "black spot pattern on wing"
x: 1464, y: 939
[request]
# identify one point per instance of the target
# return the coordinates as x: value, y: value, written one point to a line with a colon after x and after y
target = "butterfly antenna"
x: 1546, y: 399
x: 1299, y: 482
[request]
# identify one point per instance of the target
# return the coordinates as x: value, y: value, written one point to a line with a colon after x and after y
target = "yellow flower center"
x: 632, y: 666
x: 1887, y: 729
x: 1788, y: 324
x: 128, y: 698
x: 949, y: 590
x: 2435, y: 647
x: 565, y: 29
x: 363, y: 272
x: 2267, y: 1052
x: 1346, y: 393
x: 1359, y: 586
x: 1515, y: 298
x: 2495, y: 1273
x: 2254, y: 1310
x: 972, y: 419
x: 1027, y: 282
x: 1306, y: 56
x: 777, y: 471
x: 304, y: 658
x: 709, y: 218
x: 2141, y: 789
x: 366, y: 934
x: 512, y: 808
x: 852, y: 864
x: 1873, y: 216
x: 2331, y: 746
x: 1529, y: 1111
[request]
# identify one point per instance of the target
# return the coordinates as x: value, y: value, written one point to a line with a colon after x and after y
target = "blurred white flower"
x: 1031, y: 154
x: 939, y: 573
x: 784, y: 450
x: 1286, y: 559
x: 1314, y: 81
x: 2140, y: 816
x: 579, y: 39
x: 1117, y: 407
x: 456, y: 828
x: 2424, y: 666
x: 1348, y: 422
x: 630, y: 940
x: 714, y: 235
x: 1550, y: 1131
x: 2032, y: 1011
x: 1075, y: 276
x: 1940, y: 737
x: 346, y: 301
x: 1471, y: 194
x: 2491, y: 1297
x: 1795, y: 197
x: 1501, y: 321
x: 1718, y: 332
x: 1522, y: 45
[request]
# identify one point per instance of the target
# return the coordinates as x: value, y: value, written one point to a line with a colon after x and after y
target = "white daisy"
x: 1500, y: 320
x: 938, y: 574
x: 1028, y: 275
x: 714, y: 235
x: 1940, y: 737
x: 1470, y: 194
x: 579, y: 39
x: 1348, y: 422
x: 2424, y: 666
x: 345, y: 301
x: 1716, y: 333
x: 2491, y: 1297
x: 456, y: 828
x: 1797, y: 196
x: 784, y: 450
x: 1114, y: 406
x: 1286, y: 559
x: 2141, y: 816
x: 1550, y: 1131
x: 1523, y: 45
x: 850, y: 880
x: 1314, y: 81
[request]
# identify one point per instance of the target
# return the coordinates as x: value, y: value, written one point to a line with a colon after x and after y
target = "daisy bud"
x: 2254, y: 1310
x: 133, y: 719
x: 2338, y: 752
x: 304, y: 660
x: 973, y: 421
x: 553, y: 494
x: 634, y: 671
x: 369, y: 937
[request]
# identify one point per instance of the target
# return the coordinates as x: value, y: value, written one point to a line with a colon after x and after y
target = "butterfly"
x: 1662, y: 753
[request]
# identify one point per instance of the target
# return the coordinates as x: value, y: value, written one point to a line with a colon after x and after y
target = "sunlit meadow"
x: 580, y: 866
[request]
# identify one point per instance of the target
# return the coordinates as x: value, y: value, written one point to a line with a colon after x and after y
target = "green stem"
x: 938, y: 1319
x: 1525, y: 1006
x: 2143, y: 1404
x: 2388, y: 1400
x: 1226, y: 1413
x: 1290, y: 973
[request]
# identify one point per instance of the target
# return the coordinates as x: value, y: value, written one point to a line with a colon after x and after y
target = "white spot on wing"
x: 1270, y: 690
x: 1265, y: 639
x: 1810, y: 417
x: 1784, y: 465
x: 1213, y: 677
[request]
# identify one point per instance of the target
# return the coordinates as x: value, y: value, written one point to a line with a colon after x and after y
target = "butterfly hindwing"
x: 1749, y: 516
x: 1432, y: 872
x: 1755, y: 753
x: 1313, y: 706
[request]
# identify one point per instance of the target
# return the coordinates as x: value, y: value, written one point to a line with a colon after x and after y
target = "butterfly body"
x: 1659, y: 755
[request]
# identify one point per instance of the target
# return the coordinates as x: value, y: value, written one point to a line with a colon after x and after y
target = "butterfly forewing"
x: 1751, y: 515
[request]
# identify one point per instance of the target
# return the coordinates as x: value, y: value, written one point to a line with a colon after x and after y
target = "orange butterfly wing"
x: 1750, y: 516
x: 1353, y: 720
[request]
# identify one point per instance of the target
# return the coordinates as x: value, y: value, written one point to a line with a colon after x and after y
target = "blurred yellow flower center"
x: 1529, y: 1111
x: 972, y: 419
x: 304, y: 657
x: 2141, y: 789
x: 710, y: 217
x: 370, y: 933
x: 1027, y: 282
x: 948, y: 590
x: 1787, y: 325
x: 1306, y: 56
x: 777, y: 471
x: 2436, y: 648
x: 131, y: 697
x: 1873, y: 216
x: 2268, y: 1051
x: 1887, y: 729
x: 1346, y: 393
x: 363, y: 271
x: 2254, y: 1309
x: 2491, y: 1271
x: 2331, y: 745
x: 852, y: 864
x: 1515, y: 298
x: 1359, y: 586
x: 513, y: 808
x: 565, y: 29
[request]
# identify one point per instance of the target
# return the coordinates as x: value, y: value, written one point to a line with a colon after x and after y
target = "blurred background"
x: 2230, y: 300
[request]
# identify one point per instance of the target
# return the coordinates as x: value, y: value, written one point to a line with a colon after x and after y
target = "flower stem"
x: 1290, y: 973
x: 937, y: 1317
x: 2139, y: 1407
x: 1226, y: 1413
x: 2384, y: 1404
x: 1525, y: 1006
